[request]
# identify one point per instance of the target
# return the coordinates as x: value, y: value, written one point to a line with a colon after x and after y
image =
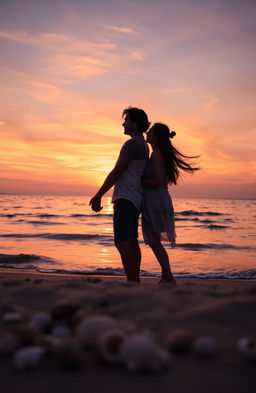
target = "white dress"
x: 157, y: 212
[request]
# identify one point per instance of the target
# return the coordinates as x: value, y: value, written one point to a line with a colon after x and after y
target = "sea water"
x: 216, y: 238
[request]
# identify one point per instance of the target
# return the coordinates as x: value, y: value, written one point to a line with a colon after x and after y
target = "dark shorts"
x: 126, y: 218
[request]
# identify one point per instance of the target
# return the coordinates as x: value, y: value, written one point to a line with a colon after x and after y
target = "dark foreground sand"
x: 222, y: 309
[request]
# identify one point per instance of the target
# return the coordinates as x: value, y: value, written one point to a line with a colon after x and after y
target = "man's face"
x: 128, y: 125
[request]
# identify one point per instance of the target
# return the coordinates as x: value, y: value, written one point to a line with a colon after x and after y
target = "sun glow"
x: 66, y: 77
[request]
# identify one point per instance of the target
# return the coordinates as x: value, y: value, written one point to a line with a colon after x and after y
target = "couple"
x: 141, y: 184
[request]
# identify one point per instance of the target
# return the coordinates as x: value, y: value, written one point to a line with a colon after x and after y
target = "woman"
x: 163, y: 167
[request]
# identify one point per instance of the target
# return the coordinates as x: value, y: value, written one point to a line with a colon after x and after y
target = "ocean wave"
x: 243, y: 275
x: 46, y: 215
x: 15, y: 215
x: 208, y: 246
x: 57, y: 236
x: 90, y: 215
x: 45, y: 222
x: 214, y: 226
x: 23, y: 258
x: 196, y: 213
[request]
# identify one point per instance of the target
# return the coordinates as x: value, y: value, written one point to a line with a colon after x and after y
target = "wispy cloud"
x: 119, y: 29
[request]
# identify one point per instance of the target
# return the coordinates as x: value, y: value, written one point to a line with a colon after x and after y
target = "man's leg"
x: 131, y: 258
x: 126, y: 218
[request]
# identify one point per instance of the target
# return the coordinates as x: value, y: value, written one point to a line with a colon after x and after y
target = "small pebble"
x: 11, y: 317
x: 28, y: 357
x: 94, y: 280
x: 41, y: 321
x: 247, y: 348
x: 60, y: 331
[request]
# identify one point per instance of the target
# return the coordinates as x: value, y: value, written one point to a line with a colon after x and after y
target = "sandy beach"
x: 222, y: 310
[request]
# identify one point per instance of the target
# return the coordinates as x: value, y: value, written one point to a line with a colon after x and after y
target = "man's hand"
x: 95, y: 204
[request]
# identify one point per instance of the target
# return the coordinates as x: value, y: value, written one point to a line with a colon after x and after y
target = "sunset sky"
x: 69, y: 68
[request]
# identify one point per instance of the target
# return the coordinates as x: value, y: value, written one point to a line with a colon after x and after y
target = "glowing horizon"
x: 69, y: 69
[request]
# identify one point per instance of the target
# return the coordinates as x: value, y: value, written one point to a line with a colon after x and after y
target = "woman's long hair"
x: 174, y: 160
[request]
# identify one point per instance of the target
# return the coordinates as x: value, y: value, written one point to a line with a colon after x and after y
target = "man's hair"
x: 139, y: 117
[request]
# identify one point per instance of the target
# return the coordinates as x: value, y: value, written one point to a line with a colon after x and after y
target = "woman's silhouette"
x: 164, y: 166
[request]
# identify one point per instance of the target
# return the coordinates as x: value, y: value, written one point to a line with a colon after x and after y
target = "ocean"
x: 216, y: 238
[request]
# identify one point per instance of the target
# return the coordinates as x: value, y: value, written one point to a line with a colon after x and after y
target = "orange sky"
x: 68, y: 69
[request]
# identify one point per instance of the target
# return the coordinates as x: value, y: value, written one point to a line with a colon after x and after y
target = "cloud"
x: 54, y: 41
x: 124, y: 30
x: 60, y: 56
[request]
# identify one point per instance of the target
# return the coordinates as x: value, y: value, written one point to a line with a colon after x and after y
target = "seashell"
x: 90, y: 329
x: 9, y: 342
x: 28, y: 357
x: 180, y: 341
x: 140, y: 353
x: 247, y: 348
x: 109, y: 344
x: 11, y: 317
x: 205, y: 347
x: 41, y: 321
x: 70, y: 354
x: 60, y: 331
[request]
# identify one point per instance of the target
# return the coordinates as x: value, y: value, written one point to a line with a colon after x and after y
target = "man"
x: 127, y: 195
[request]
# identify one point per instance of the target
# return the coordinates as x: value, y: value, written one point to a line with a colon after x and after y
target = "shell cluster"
x: 68, y: 335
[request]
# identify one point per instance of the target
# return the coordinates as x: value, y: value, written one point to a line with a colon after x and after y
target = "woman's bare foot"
x: 170, y: 282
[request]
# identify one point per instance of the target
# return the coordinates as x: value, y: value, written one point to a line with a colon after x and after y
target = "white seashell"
x: 9, y: 343
x: 109, y: 344
x: 60, y: 331
x: 90, y: 329
x: 28, y: 357
x: 140, y: 352
x: 204, y: 347
x: 41, y: 321
x: 247, y: 348
x: 11, y: 317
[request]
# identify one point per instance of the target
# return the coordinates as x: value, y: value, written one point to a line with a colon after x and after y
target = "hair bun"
x: 172, y: 134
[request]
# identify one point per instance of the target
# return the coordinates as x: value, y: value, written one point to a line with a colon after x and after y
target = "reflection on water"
x: 213, y: 235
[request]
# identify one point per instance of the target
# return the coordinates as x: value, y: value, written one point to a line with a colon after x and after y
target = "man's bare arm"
x: 121, y: 165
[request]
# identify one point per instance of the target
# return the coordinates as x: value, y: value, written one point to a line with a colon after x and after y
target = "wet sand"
x: 223, y: 310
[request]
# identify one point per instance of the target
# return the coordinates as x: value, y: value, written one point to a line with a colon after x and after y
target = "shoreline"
x: 24, y: 271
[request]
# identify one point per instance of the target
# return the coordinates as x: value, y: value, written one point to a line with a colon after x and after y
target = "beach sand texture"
x: 223, y: 310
